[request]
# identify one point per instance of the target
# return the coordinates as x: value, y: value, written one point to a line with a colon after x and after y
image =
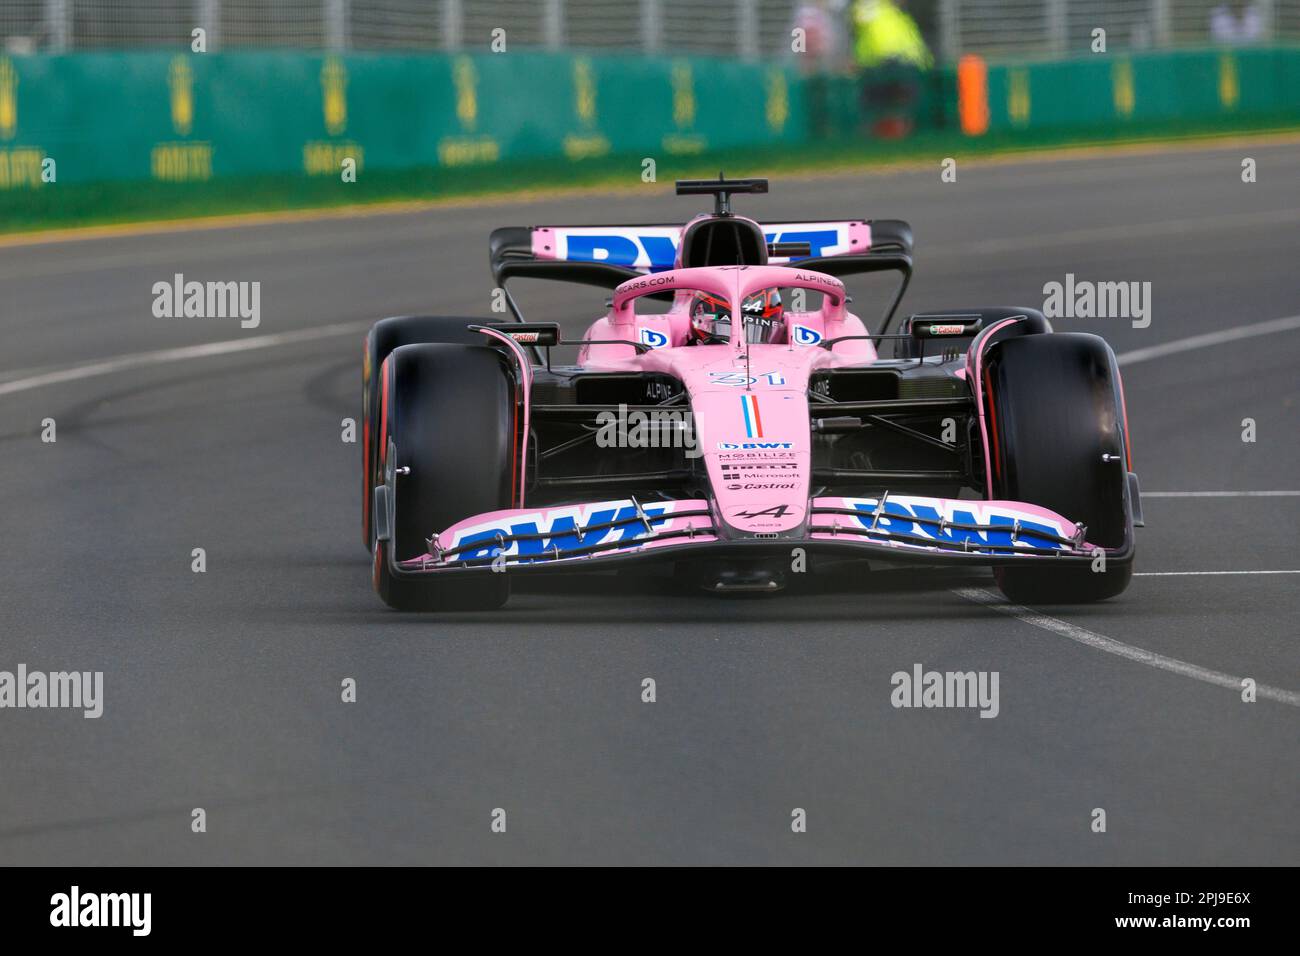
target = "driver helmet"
x: 711, y: 317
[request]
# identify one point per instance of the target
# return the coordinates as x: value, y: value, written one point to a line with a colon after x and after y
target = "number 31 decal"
x: 743, y: 381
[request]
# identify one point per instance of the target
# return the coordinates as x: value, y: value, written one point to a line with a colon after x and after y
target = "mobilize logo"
x: 208, y: 300
x: 75, y: 909
x: 954, y: 689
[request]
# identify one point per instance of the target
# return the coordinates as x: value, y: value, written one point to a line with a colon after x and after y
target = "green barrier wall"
x: 185, y: 117
x: 131, y: 135
x: 1119, y: 93
x: 1122, y: 90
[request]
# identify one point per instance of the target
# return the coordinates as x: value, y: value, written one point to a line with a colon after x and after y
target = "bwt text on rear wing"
x: 606, y: 256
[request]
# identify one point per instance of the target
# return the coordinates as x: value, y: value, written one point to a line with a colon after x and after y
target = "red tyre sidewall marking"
x: 383, y: 416
x: 517, y: 441
x: 1123, y: 410
x: 367, y: 479
x: 383, y: 454
x: 367, y: 465
x: 993, y: 429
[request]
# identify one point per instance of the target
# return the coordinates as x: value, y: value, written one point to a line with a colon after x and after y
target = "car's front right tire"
x: 1056, y: 423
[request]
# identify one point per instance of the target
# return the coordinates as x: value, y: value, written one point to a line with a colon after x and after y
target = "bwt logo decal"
x: 900, y: 518
x: 646, y: 248
x: 655, y: 249
x: 753, y: 445
x: 556, y: 528
x: 806, y: 336
x: 821, y: 242
x: 655, y: 340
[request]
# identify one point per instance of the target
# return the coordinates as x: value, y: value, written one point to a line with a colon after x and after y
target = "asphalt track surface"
x: 222, y: 689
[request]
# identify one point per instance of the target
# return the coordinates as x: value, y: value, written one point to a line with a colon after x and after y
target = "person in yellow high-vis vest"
x: 884, y: 33
x: 892, y: 55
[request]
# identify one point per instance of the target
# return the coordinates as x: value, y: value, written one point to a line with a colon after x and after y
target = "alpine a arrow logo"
x: 776, y: 511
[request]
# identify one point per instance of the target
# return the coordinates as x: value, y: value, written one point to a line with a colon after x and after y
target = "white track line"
x: 1184, y: 574
x: 1120, y: 649
x: 1220, y: 494
x: 163, y: 356
x: 1288, y: 324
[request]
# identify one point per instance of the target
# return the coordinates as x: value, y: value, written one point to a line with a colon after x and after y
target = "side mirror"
x: 542, y: 334
x: 925, y: 327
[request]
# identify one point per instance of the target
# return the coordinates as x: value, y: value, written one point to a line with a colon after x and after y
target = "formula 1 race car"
x: 730, y: 418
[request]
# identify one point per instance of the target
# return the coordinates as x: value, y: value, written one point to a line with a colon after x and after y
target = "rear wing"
x: 606, y: 256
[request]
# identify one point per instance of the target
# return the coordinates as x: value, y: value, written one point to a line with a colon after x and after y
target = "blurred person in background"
x: 822, y: 22
x: 1229, y: 27
x: 824, y: 58
x: 891, y: 53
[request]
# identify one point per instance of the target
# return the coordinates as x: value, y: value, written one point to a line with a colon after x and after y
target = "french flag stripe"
x: 753, y: 421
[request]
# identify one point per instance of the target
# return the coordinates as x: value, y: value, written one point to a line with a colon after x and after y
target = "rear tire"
x: 1054, y: 411
x: 384, y: 336
x: 448, y: 413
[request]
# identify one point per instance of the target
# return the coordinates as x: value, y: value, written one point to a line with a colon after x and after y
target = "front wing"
x: 889, y: 528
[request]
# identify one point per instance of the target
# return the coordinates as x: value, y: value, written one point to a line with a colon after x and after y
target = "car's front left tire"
x: 385, y: 336
x: 447, y: 451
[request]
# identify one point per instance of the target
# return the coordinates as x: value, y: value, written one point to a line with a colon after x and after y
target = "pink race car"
x: 729, y: 417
